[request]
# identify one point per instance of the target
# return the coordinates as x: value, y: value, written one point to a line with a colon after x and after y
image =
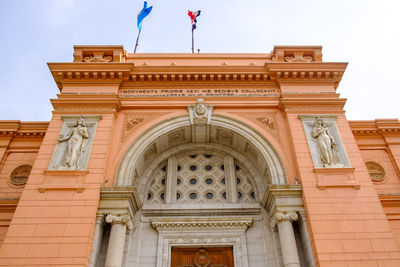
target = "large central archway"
x: 224, y: 131
x: 201, y: 186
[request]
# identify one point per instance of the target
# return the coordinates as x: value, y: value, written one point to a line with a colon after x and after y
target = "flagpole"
x: 192, y: 42
x: 137, y: 42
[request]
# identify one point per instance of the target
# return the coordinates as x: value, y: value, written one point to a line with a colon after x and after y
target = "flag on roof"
x: 193, y: 17
x: 142, y: 14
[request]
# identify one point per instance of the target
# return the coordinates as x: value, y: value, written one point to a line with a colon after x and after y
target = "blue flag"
x: 142, y: 14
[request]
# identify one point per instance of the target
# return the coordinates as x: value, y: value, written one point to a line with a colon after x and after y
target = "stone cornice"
x: 283, y: 198
x: 23, y: 129
x: 119, y: 200
x: 375, y: 127
x: 65, y: 73
x: 86, y: 103
x: 201, y: 223
x: 111, y: 65
x: 306, y: 72
x: 312, y: 103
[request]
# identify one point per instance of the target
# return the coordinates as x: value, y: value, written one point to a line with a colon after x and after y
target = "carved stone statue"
x: 326, y: 143
x: 75, y: 144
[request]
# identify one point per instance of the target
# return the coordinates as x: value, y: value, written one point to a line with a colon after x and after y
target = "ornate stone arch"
x: 256, y: 143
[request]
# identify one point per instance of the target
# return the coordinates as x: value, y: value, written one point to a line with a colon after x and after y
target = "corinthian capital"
x: 124, y: 219
x: 283, y: 217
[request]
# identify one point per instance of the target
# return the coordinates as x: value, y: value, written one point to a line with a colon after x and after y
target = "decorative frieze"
x: 201, y: 223
x: 97, y: 58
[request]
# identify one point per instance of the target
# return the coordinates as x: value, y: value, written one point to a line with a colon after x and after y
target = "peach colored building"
x: 199, y: 160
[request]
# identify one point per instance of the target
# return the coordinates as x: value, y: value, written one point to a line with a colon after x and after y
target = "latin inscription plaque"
x: 267, y: 92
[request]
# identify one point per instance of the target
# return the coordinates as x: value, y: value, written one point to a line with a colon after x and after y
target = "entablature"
x: 375, y: 127
x: 312, y: 103
x: 25, y: 129
x: 85, y: 103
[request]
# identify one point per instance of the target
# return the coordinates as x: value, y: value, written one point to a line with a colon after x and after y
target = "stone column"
x: 230, y: 179
x: 286, y: 236
x: 98, y: 237
x: 116, y: 242
x: 305, y: 239
x: 170, y: 185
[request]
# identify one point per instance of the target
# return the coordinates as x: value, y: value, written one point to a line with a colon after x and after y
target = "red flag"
x: 193, y: 17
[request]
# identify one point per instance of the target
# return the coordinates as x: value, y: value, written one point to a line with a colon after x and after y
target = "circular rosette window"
x: 20, y: 175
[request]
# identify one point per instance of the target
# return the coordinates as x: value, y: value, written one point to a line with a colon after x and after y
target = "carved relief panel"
x: 324, y: 141
x: 74, y: 143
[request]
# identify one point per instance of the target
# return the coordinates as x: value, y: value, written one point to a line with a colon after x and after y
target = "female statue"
x: 75, y: 146
x: 326, y: 142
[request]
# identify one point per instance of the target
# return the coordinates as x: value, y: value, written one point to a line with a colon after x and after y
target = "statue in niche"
x: 76, y: 142
x: 326, y: 143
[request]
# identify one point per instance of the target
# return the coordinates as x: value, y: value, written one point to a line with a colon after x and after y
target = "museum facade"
x: 214, y: 160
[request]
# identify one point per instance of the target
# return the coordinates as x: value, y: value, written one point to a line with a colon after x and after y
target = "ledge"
x: 66, y: 172
x: 200, y: 223
x: 61, y: 187
x: 336, y: 177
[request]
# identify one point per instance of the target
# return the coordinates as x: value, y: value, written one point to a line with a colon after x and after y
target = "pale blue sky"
x: 362, y: 32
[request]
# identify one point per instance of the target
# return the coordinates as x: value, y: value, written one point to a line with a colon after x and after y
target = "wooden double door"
x: 202, y: 257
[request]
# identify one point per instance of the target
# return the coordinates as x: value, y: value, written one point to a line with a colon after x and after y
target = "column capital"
x: 124, y: 220
x: 283, y: 217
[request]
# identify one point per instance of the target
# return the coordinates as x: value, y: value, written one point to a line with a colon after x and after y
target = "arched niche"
x: 222, y: 131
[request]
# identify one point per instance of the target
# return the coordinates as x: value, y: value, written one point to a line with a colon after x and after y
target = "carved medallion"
x: 20, y: 175
x: 202, y: 258
x: 376, y: 171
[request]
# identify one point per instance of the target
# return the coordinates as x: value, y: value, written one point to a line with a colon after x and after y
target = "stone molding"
x: 375, y: 127
x: 283, y: 217
x: 90, y: 103
x: 201, y: 223
x: 124, y: 220
x: 312, y: 103
x: 25, y: 129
